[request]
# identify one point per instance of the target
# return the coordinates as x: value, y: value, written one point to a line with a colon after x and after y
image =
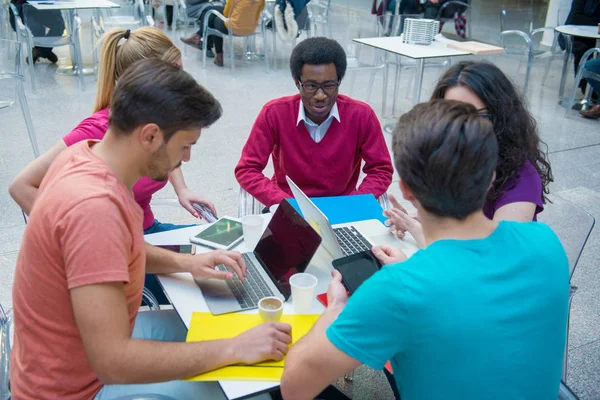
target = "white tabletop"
x: 395, y: 45
x: 187, y: 298
x: 73, y: 4
x: 589, y: 31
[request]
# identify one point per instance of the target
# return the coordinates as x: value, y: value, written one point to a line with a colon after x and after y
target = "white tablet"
x: 225, y: 233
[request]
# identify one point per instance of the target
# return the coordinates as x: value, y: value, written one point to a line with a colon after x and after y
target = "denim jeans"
x: 594, y: 66
x: 164, y: 325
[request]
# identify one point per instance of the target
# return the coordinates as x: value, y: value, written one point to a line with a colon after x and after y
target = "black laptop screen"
x: 287, y: 246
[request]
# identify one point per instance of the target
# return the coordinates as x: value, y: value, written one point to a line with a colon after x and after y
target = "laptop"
x: 285, y: 248
x: 343, y: 239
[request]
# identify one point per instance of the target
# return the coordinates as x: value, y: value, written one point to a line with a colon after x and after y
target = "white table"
x: 187, y: 298
x: 417, y: 52
x: 73, y: 5
x: 585, y: 31
x: 70, y: 8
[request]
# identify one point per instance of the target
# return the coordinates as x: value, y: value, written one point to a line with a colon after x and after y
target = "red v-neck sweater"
x: 328, y: 168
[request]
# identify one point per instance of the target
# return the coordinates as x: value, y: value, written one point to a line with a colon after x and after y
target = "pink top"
x: 328, y: 168
x: 94, y: 127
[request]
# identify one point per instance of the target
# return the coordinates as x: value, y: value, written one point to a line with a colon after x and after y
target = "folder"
x: 344, y: 209
x: 205, y: 326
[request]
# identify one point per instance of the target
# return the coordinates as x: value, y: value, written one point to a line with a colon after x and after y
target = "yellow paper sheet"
x: 205, y: 326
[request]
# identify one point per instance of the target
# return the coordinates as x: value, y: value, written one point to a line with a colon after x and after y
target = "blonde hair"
x: 118, y: 53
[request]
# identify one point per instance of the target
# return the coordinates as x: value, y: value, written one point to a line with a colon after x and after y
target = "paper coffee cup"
x: 270, y: 309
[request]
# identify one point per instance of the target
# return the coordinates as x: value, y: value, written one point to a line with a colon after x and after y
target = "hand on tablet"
x: 388, y: 254
x: 336, y: 293
x: 204, y: 265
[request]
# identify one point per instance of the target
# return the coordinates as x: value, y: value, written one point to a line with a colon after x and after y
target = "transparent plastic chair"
x: 11, y: 69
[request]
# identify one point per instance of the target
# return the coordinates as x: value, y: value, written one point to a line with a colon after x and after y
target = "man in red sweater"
x: 318, y: 138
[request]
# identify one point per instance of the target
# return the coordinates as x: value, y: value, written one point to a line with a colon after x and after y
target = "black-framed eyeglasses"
x: 312, y: 87
x: 484, y: 115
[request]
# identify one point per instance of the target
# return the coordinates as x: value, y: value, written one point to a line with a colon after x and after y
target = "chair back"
x: 5, y: 28
x: 571, y: 224
x: 5, y: 346
x: 130, y: 14
x: 516, y: 20
x: 11, y: 68
x: 11, y: 65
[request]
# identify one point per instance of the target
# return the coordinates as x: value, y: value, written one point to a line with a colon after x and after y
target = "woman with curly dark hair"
x: 518, y: 192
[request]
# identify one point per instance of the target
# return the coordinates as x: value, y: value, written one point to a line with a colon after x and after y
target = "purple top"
x: 527, y: 189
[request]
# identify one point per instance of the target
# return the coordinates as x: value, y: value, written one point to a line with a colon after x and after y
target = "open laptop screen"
x: 287, y: 246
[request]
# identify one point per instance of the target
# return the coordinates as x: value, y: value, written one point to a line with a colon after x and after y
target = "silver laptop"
x: 343, y: 240
x: 285, y: 248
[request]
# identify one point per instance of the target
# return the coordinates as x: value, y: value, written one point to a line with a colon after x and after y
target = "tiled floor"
x: 573, y: 144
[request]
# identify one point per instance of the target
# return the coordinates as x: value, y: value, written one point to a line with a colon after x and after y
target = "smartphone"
x: 225, y: 234
x: 179, y: 248
x: 356, y: 269
x: 205, y: 212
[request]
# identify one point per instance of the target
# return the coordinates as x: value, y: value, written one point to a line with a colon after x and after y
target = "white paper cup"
x: 270, y: 309
x: 303, y: 292
x: 252, y: 226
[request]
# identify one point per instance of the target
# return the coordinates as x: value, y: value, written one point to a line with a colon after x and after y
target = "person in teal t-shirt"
x: 479, y: 313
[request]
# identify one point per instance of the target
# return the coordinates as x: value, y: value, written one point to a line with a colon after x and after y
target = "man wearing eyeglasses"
x: 318, y: 138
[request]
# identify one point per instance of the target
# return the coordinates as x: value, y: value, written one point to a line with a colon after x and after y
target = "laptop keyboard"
x: 249, y: 292
x: 351, y: 241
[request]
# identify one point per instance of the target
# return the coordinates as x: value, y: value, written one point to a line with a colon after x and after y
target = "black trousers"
x: 580, y: 46
x: 214, y: 23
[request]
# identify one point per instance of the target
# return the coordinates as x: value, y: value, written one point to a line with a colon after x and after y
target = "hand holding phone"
x: 205, y: 212
x: 356, y: 268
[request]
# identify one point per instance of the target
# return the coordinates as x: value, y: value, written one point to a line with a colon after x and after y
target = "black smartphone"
x: 357, y: 268
x: 180, y: 248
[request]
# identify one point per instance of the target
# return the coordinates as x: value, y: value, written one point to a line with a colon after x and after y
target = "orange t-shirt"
x: 85, y: 228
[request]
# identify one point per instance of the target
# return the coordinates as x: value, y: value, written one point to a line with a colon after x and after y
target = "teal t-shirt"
x: 466, y: 319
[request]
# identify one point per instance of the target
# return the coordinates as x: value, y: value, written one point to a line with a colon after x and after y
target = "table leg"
x: 396, y: 79
x: 419, y: 80
x: 385, y: 82
x: 389, y: 127
x: 72, y: 68
x: 563, y: 77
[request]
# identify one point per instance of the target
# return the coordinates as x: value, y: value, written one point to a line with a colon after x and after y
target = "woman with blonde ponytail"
x: 120, y: 49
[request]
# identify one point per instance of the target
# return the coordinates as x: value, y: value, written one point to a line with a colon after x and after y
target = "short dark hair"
x: 156, y: 91
x: 318, y: 51
x: 446, y: 154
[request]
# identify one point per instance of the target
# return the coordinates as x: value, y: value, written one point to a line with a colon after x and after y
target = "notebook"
x: 206, y: 326
x: 344, y: 209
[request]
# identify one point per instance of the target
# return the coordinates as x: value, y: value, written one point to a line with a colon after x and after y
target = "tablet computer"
x: 357, y: 268
x: 225, y: 233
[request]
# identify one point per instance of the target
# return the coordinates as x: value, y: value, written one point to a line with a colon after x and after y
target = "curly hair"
x: 318, y: 51
x: 514, y: 126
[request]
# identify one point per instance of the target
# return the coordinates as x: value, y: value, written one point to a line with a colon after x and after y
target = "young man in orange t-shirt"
x: 80, y: 273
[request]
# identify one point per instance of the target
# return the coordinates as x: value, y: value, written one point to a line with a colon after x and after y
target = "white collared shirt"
x: 317, y: 132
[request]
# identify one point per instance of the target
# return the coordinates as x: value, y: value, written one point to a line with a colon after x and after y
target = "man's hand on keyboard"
x: 268, y: 341
x: 204, y: 265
